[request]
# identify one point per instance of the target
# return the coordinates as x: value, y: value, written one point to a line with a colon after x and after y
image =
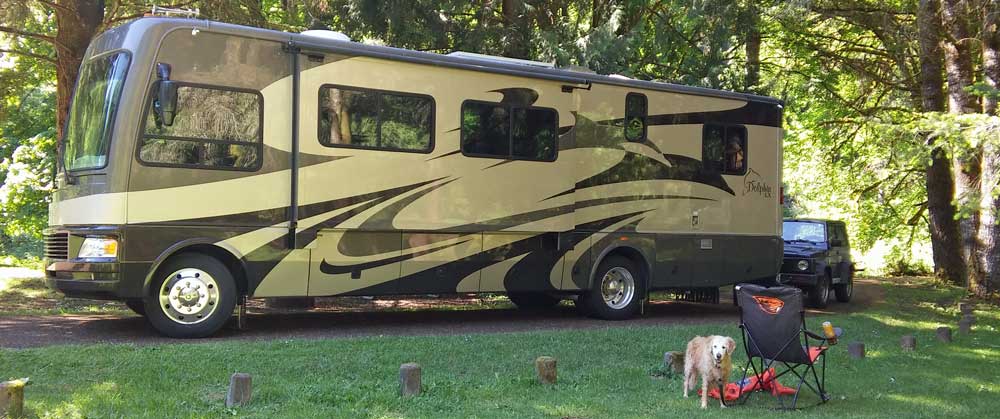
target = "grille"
x: 57, y: 246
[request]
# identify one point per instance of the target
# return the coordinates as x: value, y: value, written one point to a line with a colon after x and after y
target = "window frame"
x: 114, y: 117
x: 645, y: 118
x: 510, y: 131
x: 259, y: 144
x: 725, y: 130
x: 378, y: 119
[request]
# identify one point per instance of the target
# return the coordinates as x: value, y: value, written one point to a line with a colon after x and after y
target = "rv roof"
x: 477, y: 62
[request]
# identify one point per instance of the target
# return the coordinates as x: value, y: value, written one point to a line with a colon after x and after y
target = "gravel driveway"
x: 34, y: 331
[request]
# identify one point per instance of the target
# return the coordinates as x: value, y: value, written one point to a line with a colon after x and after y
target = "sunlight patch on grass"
x: 921, y: 401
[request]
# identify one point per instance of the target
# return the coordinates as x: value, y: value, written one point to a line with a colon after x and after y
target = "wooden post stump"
x: 856, y: 350
x: 674, y: 361
x: 409, y: 379
x: 908, y: 343
x: 240, y: 389
x: 971, y: 318
x: 944, y: 334
x: 964, y: 326
x: 546, y: 368
x: 12, y: 398
x: 965, y: 308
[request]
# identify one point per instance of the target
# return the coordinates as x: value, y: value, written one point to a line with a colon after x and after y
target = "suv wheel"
x: 844, y: 291
x: 819, y: 295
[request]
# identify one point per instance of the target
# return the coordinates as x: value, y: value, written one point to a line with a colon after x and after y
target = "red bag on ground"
x: 763, y: 381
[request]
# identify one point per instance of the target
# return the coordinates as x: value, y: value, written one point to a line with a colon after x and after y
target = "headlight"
x: 803, y: 265
x: 99, y: 247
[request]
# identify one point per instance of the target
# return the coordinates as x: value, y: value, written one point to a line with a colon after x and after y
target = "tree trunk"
x: 988, y: 229
x: 946, y: 242
x: 753, y: 39
x: 968, y: 163
x: 596, y: 14
x: 76, y: 26
x: 518, y: 32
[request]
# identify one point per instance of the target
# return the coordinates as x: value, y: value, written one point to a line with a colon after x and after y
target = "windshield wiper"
x: 800, y: 241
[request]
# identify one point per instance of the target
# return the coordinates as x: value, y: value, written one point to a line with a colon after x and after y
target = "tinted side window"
x: 485, y: 129
x: 534, y: 134
x: 636, y: 110
x: 500, y: 131
x: 213, y: 128
x: 362, y: 118
x: 724, y: 149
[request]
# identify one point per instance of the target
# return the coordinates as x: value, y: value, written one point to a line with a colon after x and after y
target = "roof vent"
x: 495, y: 59
x: 325, y: 34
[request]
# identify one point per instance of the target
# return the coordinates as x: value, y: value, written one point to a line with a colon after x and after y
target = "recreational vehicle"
x: 206, y: 163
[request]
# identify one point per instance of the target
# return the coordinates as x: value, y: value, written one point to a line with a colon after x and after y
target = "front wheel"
x: 617, y: 291
x: 819, y: 295
x: 192, y: 296
x: 844, y: 291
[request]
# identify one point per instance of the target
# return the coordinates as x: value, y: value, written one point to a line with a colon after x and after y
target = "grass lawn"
x: 613, y: 373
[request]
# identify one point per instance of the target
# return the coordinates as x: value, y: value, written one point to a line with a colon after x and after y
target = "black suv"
x: 817, y: 258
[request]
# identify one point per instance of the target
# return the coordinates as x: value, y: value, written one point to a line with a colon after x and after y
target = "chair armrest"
x: 813, y: 335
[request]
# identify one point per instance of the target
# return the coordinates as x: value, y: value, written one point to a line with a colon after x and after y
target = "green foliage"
x: 25, y: 194
x: 27, y: 150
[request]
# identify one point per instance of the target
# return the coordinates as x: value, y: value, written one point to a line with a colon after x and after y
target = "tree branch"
x: 29, y: 54
x: 27, y: 34
x: 54, y: 5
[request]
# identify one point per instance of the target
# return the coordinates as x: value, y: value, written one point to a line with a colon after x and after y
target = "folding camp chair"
x: 774, y: 334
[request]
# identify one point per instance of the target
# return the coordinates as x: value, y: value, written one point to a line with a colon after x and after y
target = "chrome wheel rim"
x: 189, y: 296
x: 618, y: 288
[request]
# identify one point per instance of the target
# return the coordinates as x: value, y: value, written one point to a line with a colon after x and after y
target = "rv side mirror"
x: 166, y: 102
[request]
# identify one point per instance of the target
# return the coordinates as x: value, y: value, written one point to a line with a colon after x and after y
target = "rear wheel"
x: 819, y: 295
x: 617, y: 291
x: 533, y: 300
x: 138, y: 306
x: 844, y: 291
x: 192, y: 296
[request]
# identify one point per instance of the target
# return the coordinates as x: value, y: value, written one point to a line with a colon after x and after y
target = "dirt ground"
x: 341, y: 318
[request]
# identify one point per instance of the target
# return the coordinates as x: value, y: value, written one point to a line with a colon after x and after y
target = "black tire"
x: 533, y: 300
x: 819, y: 295
x: 138, y: 306
x: 844, y: 291
x: 202, y: 323
x: 592, y: 302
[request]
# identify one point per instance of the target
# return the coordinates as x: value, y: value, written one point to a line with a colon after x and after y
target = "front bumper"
x: 77, y: 279
x: 798, y: 279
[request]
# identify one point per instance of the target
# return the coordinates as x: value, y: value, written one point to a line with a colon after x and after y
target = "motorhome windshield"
x: 803, y: 231
x: 92, y: 114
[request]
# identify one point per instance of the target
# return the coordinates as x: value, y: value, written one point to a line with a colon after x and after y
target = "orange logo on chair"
x: 770, y: 305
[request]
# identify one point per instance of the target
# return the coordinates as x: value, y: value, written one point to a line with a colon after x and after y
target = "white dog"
x: 709, y: 357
